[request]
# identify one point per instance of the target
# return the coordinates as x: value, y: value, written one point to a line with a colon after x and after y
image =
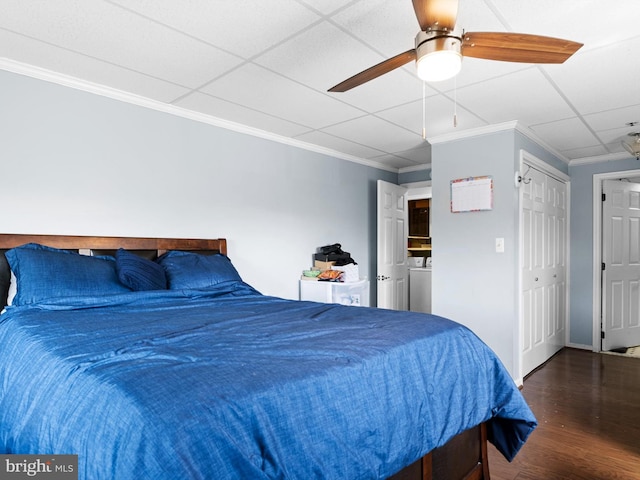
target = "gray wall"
x: 476, y: 286
x: 414, y: 176
x: 524, y: 143
x: 473, y: 284
x: 581, y: 290
x: 77, y: 163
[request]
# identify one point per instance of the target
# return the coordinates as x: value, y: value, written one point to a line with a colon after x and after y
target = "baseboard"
x: 580, y: 346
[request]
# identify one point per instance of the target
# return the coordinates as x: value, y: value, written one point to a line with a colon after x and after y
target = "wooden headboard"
x: 77, y: 242
x: 147, y: 247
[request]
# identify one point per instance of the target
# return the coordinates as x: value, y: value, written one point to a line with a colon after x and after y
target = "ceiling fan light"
x: 633, y: 147
x: 439, y: 59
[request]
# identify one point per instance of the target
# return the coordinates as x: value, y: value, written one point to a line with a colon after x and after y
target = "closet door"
x: 556, y: 264
x: 544, y: 285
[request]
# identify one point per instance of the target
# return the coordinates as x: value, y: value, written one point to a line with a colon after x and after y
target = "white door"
x: 544, y: 285
x: 556, y: 264
x: 621, y: 262
x: 392, y: 278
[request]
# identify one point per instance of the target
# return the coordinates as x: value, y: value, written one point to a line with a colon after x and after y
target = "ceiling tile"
x: 264, y: 91
x: 576, y: 153
x: 376, y: 133
x: 233, y: 26
x: 616, y: 135
x: 222, y: 109
x: 420, y: 155
x: 478, y: 16
x: 616, y: 118
x: 395, y: 88
x: 60, y: 60
x: 592, y: 22
x: 338, y: 144
x: 326, y: 7
x: 601, y: 79
x: 387, y: 27
x: 516, y: 96
x: 311, y: 58
x: 476, y: 70
x: 395, y: 161
x: 106, y: 32
x: 566, y: 134
x: 438, y: 116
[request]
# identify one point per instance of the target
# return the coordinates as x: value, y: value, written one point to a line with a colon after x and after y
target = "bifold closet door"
x: 544, y: 258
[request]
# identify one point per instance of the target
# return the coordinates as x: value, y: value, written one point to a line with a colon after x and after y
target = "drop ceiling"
x: 267, y: 65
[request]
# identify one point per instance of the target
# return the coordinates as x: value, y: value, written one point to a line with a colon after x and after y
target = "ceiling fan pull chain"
x: 455, y: 102
x: 424, y: 110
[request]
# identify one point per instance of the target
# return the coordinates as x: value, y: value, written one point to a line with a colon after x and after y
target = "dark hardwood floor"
x: 588, y: 411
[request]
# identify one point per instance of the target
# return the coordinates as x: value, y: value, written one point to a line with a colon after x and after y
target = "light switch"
x: 499, y: 245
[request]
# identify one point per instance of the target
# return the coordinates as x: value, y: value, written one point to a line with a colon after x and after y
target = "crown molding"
x: 472, y: 132
x: 609, y: 157
x: 534, y: 138
x: 131, y: 98
x: 495, y: 128
x: 415, y: 168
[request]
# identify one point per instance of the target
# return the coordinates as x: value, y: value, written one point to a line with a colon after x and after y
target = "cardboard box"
x: 323, y: 265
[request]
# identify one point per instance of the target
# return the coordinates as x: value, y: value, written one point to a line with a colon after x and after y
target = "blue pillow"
x: 188, y: 270
x: 45, y: 273
x: 138, y: 273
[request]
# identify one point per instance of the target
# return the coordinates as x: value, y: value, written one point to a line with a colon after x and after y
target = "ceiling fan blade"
x: 436, y: 14
x: 375, y: 71
x: 517, y: 47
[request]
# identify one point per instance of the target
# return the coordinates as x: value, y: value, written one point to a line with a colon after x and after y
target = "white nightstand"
x: 352, y: 293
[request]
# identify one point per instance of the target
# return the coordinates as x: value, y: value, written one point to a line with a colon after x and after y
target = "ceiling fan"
x: 438, y: 50
x: 633, y: 146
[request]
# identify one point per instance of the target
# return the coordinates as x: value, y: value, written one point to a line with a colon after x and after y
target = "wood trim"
x: 484, y: 454
x: 427, y: 466
x: 77, y: 242
x: 467, y: 450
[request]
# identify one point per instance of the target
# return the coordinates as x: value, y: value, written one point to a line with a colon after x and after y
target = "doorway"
x: 419, y: 247
x: 611, y: 306
x: 392, y: 235
x: 419, y: 239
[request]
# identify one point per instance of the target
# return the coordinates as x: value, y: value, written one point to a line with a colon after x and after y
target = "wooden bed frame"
x: 463, y: 457
x: 77, y: 242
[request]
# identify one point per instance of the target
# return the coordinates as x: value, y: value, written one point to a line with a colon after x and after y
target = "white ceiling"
x: 267, y: 64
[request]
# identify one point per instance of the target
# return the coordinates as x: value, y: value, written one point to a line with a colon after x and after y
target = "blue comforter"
x: 235, y: 385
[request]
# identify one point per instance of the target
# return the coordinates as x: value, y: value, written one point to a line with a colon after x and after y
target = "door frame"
x: 598, y: 179
x: 520, y: 176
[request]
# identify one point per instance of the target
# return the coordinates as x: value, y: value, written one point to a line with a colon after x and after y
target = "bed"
x: 152, y: 358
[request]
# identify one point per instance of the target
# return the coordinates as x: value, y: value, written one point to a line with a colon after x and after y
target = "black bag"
x: 334, y: 253
x: 328, y: 249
